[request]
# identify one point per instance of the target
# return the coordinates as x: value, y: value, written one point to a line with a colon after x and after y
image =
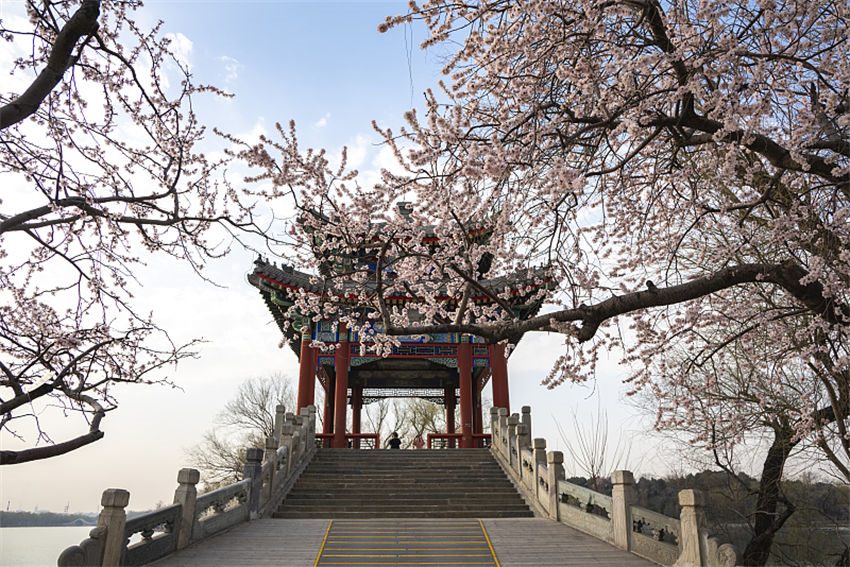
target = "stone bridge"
x: 507, y: 505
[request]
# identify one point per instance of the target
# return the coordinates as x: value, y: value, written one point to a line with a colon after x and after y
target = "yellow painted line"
x: 321, y: 549
x: 409, y: 538
x: 405, y: 548
x: 489, y: 544
x: 473, y: 529
x: 400, y: 523
x: 489, y: 563
x: 400, y: 556
x: 403, y: 521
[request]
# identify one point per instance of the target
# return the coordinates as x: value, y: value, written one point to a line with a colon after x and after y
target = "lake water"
x: 37, y: 547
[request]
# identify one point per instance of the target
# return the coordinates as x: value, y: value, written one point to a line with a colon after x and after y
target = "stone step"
x: 311, y: 498
x: 413, y: 476
x: 363, y: 506
x: 396, y: 469
x: 435, y: 511
x: 461, y: 495
x: 345, y: 483
x: 334, y: 515
x: 341, y: 487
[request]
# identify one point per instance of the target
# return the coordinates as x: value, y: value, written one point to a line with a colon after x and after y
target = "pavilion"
x: 446, y: 368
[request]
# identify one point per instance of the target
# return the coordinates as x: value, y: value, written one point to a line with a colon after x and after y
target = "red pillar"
x: 464, y: 367
x: 328, y: 416
x: 499, y: 368
x: 306, y: 374
x: 356, y: 407
x: 477, y: 426
x: 450, y: 402
x: 341, y: 390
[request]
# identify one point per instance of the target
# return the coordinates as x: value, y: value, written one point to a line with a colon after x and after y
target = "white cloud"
x: 357, y: 151
x: 182, y: 48
x: 231, y: 68
x: 323, y: 121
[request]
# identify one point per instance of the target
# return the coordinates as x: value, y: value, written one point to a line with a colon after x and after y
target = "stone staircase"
x: 385, y: 483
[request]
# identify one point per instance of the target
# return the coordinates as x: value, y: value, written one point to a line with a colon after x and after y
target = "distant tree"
x: 591, y: 449
x: 749, y: 393
x: 245, y: 421
x: 408, y: 417
x: 100, y: 167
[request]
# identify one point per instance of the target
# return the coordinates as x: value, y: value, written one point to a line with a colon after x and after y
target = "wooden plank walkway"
x: 517, y: 542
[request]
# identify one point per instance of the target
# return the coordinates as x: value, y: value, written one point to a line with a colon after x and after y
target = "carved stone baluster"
x: 279, y: 420
x: 691, y: 522
x: 623, y: 496
x: 186, y: 495
x: 286, y: 441
x: 253, y: 470
x: 113, y: 518
x: 525, y: 417
x: 555, y: 474
x: 523, y: 441
x: 271, y: 465
x: 513, y: 421
x: 539, y: 450
x: 306, y: 440
x: 503, y: 433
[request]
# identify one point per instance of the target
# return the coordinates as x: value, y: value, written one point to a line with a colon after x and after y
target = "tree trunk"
x: 767, y: 521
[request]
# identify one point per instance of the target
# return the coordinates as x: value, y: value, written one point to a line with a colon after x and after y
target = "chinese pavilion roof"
x: 279, y: 284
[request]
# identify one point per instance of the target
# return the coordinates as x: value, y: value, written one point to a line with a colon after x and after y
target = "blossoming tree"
x: 681, y: 170
x: 100, y: 167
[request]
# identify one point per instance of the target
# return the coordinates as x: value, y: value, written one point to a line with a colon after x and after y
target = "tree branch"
x: 83, y: 23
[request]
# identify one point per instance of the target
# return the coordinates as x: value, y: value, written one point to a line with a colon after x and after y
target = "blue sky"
x: 325, y: 65
x: 305, y: 61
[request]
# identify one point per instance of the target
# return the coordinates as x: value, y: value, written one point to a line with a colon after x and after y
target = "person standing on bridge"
x: 394, y: 442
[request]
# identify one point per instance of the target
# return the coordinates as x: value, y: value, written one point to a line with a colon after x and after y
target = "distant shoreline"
x: 45, y: 520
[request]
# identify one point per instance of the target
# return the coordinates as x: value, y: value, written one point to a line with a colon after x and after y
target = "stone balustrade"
x: 539, y: 475
x: 191, y: 517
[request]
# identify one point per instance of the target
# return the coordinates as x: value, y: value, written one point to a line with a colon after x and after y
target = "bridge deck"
x: 517, y: 542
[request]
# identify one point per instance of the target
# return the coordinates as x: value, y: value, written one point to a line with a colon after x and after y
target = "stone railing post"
x: 186, y: 495
x: 286, y: 441
x: 503, y: 432
x: 539, y: 450
x: 691, y: 523
x: 494, y: 426
x: 513, y: 421
x: 525, y: 418
x: 311, y: 430
x: 279, y: 420
x: 294, y: 445
x: 271, y: 463
x: 554, y: 474
x: 523, y: 441
x: 254, y: 470
x: 305, y: 428
x: 623, y: 496
x: 113, y: 518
